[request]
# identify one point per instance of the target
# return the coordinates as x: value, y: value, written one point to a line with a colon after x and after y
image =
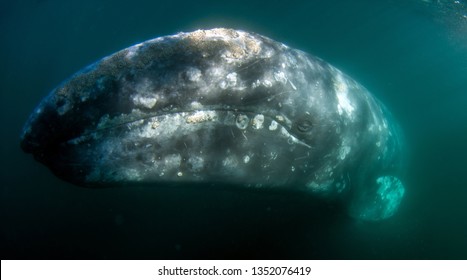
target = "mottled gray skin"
x: 221, y: 106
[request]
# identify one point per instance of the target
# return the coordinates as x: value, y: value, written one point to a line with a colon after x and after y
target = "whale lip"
x: 76, y: 158
x: 38, y: 137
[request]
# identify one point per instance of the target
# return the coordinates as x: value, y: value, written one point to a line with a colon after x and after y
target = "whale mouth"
x: 177, y: 120
x: 201, y: 145
x: 36, y: 140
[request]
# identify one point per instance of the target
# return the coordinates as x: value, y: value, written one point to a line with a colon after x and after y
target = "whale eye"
x: 304, y: 125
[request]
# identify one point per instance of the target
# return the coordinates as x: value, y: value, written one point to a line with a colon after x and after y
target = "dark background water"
x: 411, y: 54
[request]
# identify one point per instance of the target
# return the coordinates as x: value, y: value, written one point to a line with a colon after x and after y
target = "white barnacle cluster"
x: 144, y: 95
x: 195, y: 105
x: 344, y: 105
x: 164, y: 126
x: 258, y: 121
x: 280, y: 77
x: 193, y: 74
x: 230, y: 81
x: 256, y: 84
x: 161, y: 126
x: 267, y: 83
x: 201, y: 116
x: 273, y: 125
x: 270, y: 78
x: 221, y: 78
x: 239, y: 44
x: 144, y: 101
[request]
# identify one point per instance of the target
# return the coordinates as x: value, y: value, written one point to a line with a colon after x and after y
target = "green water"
x: 412, y: 55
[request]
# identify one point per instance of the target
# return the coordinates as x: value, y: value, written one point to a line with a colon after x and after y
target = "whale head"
x: 217, y: 106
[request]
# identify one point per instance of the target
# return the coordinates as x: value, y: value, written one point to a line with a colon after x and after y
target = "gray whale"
x: 221, y: 105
